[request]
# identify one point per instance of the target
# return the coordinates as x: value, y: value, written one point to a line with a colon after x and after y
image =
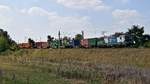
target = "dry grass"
x: 93, y: 66
x: 131, y: 57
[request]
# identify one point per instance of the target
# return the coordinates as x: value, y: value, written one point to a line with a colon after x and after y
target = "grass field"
x: 75, y: 66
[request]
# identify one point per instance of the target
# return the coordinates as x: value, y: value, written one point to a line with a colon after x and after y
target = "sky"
x: 38, y: 18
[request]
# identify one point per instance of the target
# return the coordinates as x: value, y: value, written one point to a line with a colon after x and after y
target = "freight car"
x: 41, y: 45
x: 67, y: 43
x: 63, y: 43
x: 102, y: 42
x: 55, y: 43
x: 92, y: 42
x: 24, y: 45
x: 76, y: 43
x: 84, y: 43
x: 112, y: 41
x: 123, y: 40
x: 116, y: 40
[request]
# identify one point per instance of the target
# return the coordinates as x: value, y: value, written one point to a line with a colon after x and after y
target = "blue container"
x: 112, y: 40
x: 76, y: 42
x: 71, y: 43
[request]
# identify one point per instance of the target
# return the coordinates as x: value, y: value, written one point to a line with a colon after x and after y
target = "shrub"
x: 6, y: 43
x: 147, y: 44
x: 3, y: 44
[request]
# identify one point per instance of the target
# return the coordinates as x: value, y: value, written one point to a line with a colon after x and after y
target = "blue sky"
x: 39, y: 18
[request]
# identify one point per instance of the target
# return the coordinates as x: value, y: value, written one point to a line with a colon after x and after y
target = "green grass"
x: 75, y: 66
x: 23, y: 74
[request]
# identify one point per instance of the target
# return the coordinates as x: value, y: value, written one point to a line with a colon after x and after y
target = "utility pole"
x: 59, y: 38
x: 82, y: 34
x: 25, y: 39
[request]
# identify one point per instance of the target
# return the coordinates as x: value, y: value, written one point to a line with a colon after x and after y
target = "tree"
x: 65, y: 38
x: 118, y: 33
x: 78, y: 37
x: 137, y: 33
x: 31, y: 43
x: 147, y: 44
x: 146, y: 40
x: 6, y: 42
x: 3, y: 44
x: 49, y: 40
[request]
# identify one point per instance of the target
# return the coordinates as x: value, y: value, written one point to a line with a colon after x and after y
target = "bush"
x: 147, y: 44
x: 3, y: 44
x: 6, y: 43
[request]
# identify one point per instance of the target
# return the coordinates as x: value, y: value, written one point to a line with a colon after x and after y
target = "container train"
x: 113, y: 41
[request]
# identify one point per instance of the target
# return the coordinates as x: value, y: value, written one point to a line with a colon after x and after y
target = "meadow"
x: 75, y: 66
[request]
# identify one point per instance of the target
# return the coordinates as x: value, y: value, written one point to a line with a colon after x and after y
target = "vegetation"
x: 31, y: 43
x: 76, y: 66
x: 147, y: 44
x: 3, y: 44
x: 6, y: 43
x: 137, y: 32
x: 78, y: 37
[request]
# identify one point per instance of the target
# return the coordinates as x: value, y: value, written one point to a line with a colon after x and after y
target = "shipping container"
x: 106, y: 39
x: 67, y: 43
x: 101, y: 42
x: 41, y: 44
x: 121, y: 39
x: 92, y: 42
x: 76, y: 42
x: 84, y: 43
x: 24, y: 45
x: 55, y: 44
x: 112, y: 41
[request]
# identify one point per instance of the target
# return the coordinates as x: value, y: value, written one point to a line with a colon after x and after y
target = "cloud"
x: 38, y: 22
x: 125, y: 14
x: 37, y: 11
x: 4, y: 9
x: 123, y: 1
x: 58, y: 20
x: 5, y: 19
x: 84, y: 4
x: 124, y: 19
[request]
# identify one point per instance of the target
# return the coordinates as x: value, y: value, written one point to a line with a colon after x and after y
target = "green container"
x: 92, y: 42
x: 54, y: 44
x: 66, y: 43
x: 101, y: 42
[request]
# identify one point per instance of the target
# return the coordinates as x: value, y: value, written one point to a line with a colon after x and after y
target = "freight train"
x: 112, y: 41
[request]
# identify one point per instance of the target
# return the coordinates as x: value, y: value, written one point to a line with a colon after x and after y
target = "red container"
x: 41, y: 44
x: 84, y: 43
x: 24, y: 45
